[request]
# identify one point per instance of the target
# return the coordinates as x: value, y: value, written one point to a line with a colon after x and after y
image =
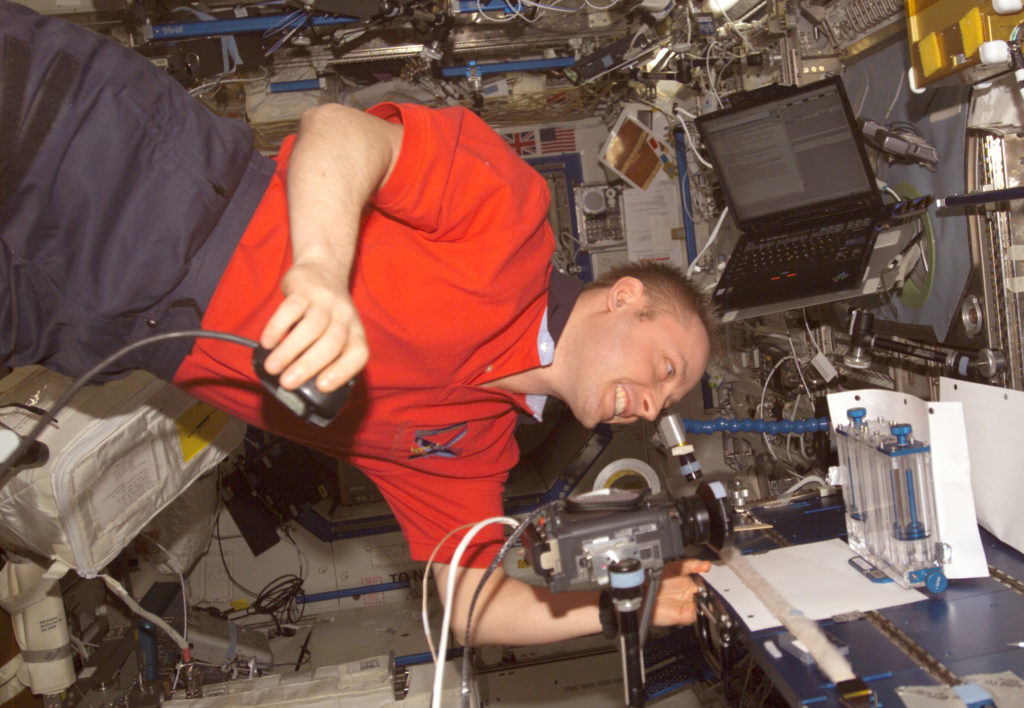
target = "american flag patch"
x: 556, y: 140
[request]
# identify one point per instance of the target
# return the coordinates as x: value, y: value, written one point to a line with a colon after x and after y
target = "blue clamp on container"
x: 974, y: 695
x: 902, y: 431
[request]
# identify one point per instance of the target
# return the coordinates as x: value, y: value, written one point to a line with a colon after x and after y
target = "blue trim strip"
x: 502, y: 66
x: 184, y: 30
x: 485, y: 5
x: 425, y: 658
x: 305, y: 85
x: 684, y: 192
x: 353, y: 592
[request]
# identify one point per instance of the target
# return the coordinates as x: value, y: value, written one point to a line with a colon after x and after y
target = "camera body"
x: 574, y: 540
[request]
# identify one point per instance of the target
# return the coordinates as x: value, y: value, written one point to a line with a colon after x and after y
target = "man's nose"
x: 650, y: 405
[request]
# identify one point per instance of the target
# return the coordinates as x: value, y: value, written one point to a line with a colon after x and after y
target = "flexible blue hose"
x: 748, y: 425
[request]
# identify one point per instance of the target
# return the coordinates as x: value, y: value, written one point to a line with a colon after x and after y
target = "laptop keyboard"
x: 832, y: 243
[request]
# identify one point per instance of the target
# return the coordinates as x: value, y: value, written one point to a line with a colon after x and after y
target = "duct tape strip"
x: 626, y: 474
x: 44, y: 656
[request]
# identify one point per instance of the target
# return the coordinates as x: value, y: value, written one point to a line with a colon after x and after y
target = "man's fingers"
x: 348, y: 365
x: 288, y: 313
x: 337, y: 355
x: 296, y: 353
x: 694, y: 565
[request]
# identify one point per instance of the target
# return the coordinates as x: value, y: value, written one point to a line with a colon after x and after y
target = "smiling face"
x: 632, y: 362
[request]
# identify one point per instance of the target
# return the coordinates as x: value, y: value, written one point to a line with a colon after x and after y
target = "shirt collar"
x: 563, y: 290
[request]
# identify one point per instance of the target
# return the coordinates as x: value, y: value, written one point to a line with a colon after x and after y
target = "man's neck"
x: 563, y: 293
x: 543, y: 380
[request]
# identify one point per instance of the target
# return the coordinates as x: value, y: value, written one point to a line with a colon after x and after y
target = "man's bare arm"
x: 509, y: 611
x: 340, y: 158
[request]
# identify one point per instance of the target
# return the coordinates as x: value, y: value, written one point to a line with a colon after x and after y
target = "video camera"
x: 574, y: 540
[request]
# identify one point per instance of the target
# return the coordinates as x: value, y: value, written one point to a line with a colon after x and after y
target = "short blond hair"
x: 667, y: 290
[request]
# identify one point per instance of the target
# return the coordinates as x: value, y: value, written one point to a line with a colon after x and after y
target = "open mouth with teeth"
x: 620, y: 400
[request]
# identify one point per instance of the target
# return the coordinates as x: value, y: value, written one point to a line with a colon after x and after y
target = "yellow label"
x: 971, y: 31
x: 198, y: 427
x: 239, y: 605
x: 931, y: 57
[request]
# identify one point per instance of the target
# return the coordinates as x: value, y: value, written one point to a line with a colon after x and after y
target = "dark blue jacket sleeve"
x: 119, y: 221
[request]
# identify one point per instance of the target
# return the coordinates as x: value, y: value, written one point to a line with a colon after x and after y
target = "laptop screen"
x: 788, y: 151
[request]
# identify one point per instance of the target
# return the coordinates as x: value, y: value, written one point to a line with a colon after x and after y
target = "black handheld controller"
x: 307, y: 401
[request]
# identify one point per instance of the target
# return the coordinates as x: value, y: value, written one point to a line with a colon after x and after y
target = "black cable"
x: 280, y: 599
x: 8, y: 466
x: 224, y: 561
x: 900, y: 126
x: 513, y: 537
x: 304, y: 655
x: 25, y: 407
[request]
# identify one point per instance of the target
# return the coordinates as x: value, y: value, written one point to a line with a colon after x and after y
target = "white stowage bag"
x: 118, y: 454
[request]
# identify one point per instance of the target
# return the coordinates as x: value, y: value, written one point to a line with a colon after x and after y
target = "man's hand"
x: 675, y: 604
x: 341, y: 157
x: 315, y: 329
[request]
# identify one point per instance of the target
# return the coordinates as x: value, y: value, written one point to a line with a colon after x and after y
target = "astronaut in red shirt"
x: 364, y: 192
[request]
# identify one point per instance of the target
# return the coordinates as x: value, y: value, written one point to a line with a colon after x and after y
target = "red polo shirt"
x: 450, y: 280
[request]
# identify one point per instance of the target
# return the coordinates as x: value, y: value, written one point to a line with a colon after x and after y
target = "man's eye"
x: 671, y: 371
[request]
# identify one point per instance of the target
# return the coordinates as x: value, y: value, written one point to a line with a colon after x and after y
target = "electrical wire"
x: 426, y: 589
x: 184, y: 593
x: 711, y: 239
x: 282, y: 600
x: 789, y: 436
x: 799, y: 369
x: 689, y: 140
x: 224, y: 561
x: 810, y: 335
x: 764, y: 392
x: 495, y: 562
x: 226, y: 79
x: 442, y: 648
x: 892, y: 104
x: 809, y: 479
x: 134, y: 606
x: 711, y: 81
x: 8, y: 465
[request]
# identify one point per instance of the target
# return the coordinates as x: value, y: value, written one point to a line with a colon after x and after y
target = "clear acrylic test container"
x: 891, y: 513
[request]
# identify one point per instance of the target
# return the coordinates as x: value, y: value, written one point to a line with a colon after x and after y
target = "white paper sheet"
x: 994, y: 419
x: 649, y: 217
x: 942, y: 426
x: 815, y: 578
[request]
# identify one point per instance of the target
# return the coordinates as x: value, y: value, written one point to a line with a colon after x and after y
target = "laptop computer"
x: 798, y: 184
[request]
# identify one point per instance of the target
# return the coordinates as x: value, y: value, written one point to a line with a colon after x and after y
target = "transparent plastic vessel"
x: 891, y: 516
x: 849, y: 445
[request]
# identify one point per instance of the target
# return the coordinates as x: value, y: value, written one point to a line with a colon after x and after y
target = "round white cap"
x: 994, y: 52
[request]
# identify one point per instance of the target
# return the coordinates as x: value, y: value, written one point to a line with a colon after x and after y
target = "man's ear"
x: 625, y: 291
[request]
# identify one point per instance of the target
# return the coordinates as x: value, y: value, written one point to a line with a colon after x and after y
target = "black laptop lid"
x: 787, y: 156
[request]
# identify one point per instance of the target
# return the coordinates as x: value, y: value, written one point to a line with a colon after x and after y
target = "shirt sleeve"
x: 456, y: 178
